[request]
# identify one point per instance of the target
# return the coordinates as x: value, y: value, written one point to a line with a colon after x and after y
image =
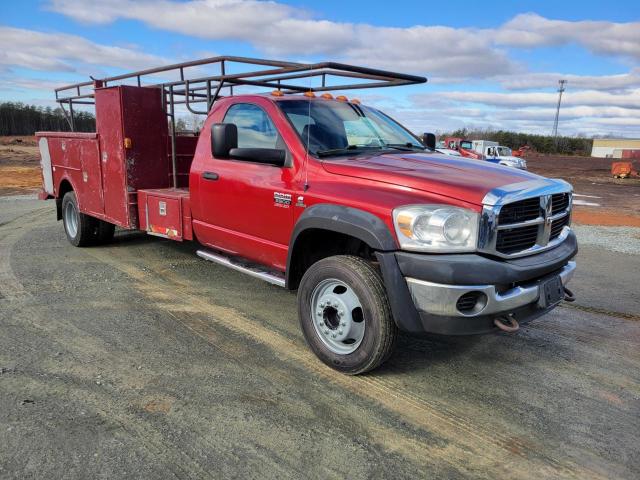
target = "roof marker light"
x: 310, y: 94
x: 277, y: 93
x: 342, y: 98
x: 327, y: 96
x: 355, y: 101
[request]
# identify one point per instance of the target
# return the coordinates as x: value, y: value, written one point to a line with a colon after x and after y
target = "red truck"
x: 464, y: 147
x: 317, y: 194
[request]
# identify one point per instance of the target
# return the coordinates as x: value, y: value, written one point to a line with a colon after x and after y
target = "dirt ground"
x: 617, y: 200
x: 19, y: 165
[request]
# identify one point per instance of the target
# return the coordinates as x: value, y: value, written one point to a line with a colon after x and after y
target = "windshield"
x: 504, y: 151
x: 332, y: 127
x: 466, y: 145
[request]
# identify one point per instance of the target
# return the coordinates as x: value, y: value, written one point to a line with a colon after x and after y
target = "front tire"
x: 345, y: 315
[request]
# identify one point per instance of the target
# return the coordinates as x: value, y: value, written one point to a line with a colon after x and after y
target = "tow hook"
x: 568, y: 295
x: 506, y: 324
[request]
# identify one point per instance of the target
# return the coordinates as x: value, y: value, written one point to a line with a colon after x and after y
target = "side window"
x: 255, y: 129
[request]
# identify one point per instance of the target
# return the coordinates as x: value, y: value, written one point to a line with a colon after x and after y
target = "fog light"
x: 471, y: 303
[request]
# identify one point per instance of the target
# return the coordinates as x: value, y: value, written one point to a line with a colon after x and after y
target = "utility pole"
x: 561, y: 84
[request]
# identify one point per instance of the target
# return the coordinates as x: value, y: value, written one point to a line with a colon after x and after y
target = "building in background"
x: 615, y: 147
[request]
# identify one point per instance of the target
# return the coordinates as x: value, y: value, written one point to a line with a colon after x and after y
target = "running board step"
x: 240, y: 265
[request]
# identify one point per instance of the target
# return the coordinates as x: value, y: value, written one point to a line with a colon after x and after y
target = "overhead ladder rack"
x: 193, y: 87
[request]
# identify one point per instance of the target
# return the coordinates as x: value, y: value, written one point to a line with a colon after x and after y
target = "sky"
x: 490, y: 65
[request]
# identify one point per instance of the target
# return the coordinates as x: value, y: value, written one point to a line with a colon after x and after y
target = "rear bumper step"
x: 244, y: 266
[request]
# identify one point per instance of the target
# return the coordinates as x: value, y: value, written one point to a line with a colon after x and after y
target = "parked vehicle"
x: 495, y: 153
x: 521, y: 152
x: 317, y: 194
x: 462, y: 146
x: 448, y: 151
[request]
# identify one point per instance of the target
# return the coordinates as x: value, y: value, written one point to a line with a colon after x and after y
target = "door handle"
x: 210, y: 176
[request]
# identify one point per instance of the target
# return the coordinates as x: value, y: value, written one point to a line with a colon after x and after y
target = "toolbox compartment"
x: 165, y: 212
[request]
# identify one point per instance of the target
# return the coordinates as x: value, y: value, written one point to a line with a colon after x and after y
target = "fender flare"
x: 350, y: 221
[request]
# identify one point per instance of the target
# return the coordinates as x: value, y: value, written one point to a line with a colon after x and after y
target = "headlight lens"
x: 436, y: 228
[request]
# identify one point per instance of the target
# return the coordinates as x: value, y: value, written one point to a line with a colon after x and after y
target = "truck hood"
x: 455, y: 177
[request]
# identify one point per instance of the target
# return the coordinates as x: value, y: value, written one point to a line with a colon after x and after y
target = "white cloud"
x: 530, y: 81
x: 582, y: 112
x: 9, y: 83
x: 531, y: 30
x: 280, y: 29
x: 439, y: 51
x: 64, y: 53
x: 545, y: 114
x: 628, y: 99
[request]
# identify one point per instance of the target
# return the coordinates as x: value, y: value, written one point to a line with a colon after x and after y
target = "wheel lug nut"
x: 341, y: 312
x: 333, y: 335
x: 340, y: 331
x: 343, y: 324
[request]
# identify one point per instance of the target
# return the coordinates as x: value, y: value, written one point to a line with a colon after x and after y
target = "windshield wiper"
x: 338, y: 151
x: 405, y: 147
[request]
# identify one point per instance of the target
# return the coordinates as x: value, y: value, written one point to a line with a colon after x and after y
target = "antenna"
x: 561, y: 84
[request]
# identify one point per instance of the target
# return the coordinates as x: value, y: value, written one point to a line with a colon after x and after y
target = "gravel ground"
x: 614, y: 239
x: 139, y: 360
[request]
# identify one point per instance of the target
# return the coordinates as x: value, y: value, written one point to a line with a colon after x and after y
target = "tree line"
x: 538, y: 143
x: 21, y: 119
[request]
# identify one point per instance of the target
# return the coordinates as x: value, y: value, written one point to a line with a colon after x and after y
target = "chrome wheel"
x: 337, y: 316
x: 71, y: 219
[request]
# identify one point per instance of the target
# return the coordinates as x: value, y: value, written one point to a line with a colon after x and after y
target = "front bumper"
x: 439, y: 299
x: 424, y: 289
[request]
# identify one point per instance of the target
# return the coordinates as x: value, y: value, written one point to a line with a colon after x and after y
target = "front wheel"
x: 345, y: 315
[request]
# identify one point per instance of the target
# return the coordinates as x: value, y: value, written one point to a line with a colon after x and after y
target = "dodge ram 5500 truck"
x: 318, y: 194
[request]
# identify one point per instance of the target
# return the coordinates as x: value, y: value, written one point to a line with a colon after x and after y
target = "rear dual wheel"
x: 345, y: 315
x: 83, y: 230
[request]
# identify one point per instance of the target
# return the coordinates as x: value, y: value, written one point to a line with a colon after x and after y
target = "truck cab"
x: 495, y: 153
x: 325, y: 196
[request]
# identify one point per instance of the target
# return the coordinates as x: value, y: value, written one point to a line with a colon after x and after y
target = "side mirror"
x: 269, y: 156
x: 429, y: 139
x: 224, y: 138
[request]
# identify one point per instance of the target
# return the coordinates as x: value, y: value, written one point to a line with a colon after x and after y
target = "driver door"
x: 247, y: 206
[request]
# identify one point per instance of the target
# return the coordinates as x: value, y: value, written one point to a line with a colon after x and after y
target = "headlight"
x: 436, y: 228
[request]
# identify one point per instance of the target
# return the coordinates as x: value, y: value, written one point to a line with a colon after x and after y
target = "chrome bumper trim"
x: 440, y: 299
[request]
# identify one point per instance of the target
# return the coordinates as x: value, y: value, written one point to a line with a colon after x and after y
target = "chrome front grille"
x: 525, y: 218
x: 523, y: 210
x: 560, y: 202
x: 515, y: 239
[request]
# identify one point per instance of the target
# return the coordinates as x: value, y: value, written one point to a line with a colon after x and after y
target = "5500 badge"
x: 282, y: 200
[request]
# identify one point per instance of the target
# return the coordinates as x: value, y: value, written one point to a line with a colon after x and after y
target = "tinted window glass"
x: 255, y: 129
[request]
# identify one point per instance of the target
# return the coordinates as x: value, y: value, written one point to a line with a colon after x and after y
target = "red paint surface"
x: 176, y: 222
x: 635, y: 154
